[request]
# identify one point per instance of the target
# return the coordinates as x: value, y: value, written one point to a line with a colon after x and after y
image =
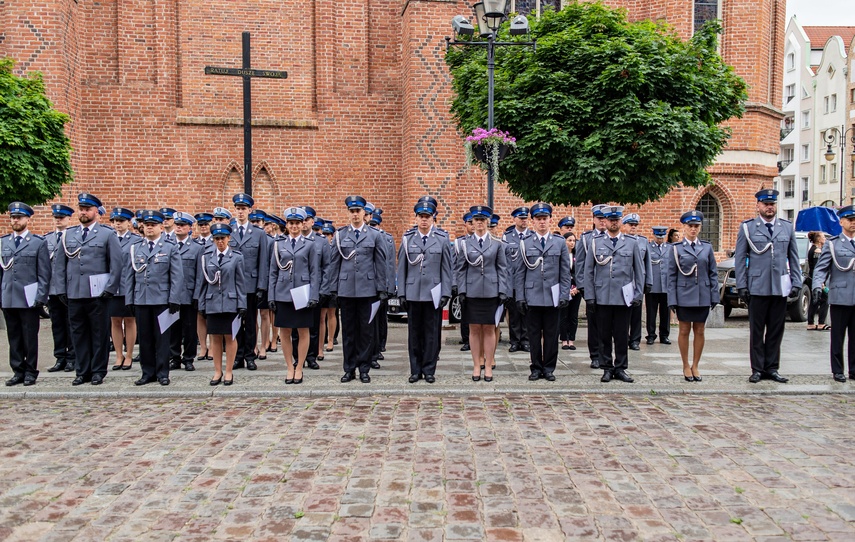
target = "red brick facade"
x: 364, y: 108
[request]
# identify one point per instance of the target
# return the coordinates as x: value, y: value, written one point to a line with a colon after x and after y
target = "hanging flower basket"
x: 486, y: 148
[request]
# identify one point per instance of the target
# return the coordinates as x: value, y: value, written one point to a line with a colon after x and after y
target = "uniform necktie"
x: 85, y: 233
x: 852, y: 242
x: 220, y: 258
x: 614, y: 241
x: 693, y: 245
x: 240, y: 231
x: 357, y: 235
x: 543, y: 242
x: 769, y: 227
x: 58, y: 236
x: 480, y: 243
x: 151, y: 246
x: 180, y: 245
x: 424, y: 240
x: 17, y: 241
x: 293, y: 244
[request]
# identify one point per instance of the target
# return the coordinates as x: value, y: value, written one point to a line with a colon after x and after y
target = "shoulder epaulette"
x: 343, y: 228
x: 442, y: 233
x: 749, y: 220
x: 630, y: 236
x: 37, y: 236
x: 705, y: 242
x: 499, y: 239
x: 785, y: 220
x: 641, y: 237
x: 509, y: 228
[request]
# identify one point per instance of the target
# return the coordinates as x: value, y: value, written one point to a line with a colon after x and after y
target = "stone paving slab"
x: 478, y: 467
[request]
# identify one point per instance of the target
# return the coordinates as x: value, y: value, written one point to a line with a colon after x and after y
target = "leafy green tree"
x: 604, y: 110
x: 35, y: 153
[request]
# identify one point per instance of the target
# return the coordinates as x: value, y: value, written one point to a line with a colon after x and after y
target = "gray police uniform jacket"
x: 358, y: 267
x: 836, y: 269
x: 293, y: 268
x: 423, y: 266
x: 53, y: 246
x: 391, y: 269
x: 760, y: 260
x: 220, y: 288
x: 23, y: 266
x: 692, y: 275
x: 189, y: 254
x: 583, y: 245
x: 659, y: 267
x: 125, y: 242
x: 512, y: 239
x: 77, y: 260
x: 538, y: 269
x: 322, y: 247
x: 645, y: 256
x: 482, y: 272
x: 254, y: 247
x: 153, y: 277
x: 204, y: 242
x: 609, y: 267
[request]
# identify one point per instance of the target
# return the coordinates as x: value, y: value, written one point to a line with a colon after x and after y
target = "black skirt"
x: 116, y: 307
x: 328, y: 304
x: 693, y: 314
x: 220, y: 323
x: 480, y: 310
x: 289, y: 317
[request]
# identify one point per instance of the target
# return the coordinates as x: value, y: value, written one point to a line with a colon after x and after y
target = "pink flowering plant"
x: 489, y: 143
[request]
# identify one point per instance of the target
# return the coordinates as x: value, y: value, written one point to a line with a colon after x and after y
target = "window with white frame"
x: 789, y: 187
x: 825, y: 106
x: 833, y: 105
x: 806, y: 152
x: 805, y: 93
x: 805, y: 189
x: 789, y: 93
x: 805, y: 119
x: 833, y: 168
x: 791, y: 62
x: 822, y: 179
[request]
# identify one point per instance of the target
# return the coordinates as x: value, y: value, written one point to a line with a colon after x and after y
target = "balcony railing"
x: 785, y: 132
x: 782, y: 165
x: 789, y: 193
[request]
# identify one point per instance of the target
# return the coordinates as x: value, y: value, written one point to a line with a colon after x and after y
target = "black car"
x: 455, y: 310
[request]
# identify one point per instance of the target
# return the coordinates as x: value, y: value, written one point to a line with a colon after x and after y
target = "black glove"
x: 174, y: 307
x: 131, y: 309
x: 462, y: 297
x: 334, y: 299
x: 592, y: 306
x: 744, y: 295
x: 563, y: 303
x: 443, y: 301
x: 272, y: 306
x: 63, y: 299
x: 383, y: 296
x: 453, y: 291
x: 259, y: 293
x: 503, y: 299
x: 672, y: 308
x: 203, y: 314
x: 581, y: 292
x: 402, y: 302
x: 241, y: 312
x: 311, y: 304
x: 106, y: 295
x: 522, y: 306
x: 647, y: 288
x: 794, y: 291
x: 817, y: 296
x: 636, y: 303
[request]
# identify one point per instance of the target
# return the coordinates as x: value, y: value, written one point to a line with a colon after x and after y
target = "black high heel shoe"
x: 127, y: 367
x: 216, y: 381
x: 476, y: 378
x: 289, y: 381
x: 228, y: 382
x: 298, y: 380
x: 203, y: 357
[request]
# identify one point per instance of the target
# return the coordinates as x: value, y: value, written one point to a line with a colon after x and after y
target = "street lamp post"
x: 490, y: 14
x: 830, y: 138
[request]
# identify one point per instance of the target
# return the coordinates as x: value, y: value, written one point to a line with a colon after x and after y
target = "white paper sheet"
x: 165, y: 320
x: 30, y: 293
x: 300, y: 296
x: 628, y: 293
x: 786, y: 285
x: 235, y: 326
x: 499, y: 313
x: 97, y: 283
x: 374, y: 308
x: 435, y: 293
x: 555, y: 292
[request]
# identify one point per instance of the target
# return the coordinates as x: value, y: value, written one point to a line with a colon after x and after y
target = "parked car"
x: 797, y: 306
x: 455, y: 310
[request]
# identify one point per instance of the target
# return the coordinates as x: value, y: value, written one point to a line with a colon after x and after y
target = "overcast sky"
x: 822, y: 12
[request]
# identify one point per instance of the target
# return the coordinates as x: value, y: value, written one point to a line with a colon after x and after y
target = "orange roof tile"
x: 819, y: 35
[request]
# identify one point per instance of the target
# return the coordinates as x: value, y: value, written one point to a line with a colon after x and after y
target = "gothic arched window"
x: 711, y: 228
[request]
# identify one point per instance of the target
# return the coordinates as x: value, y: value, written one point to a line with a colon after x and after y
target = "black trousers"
x: 542, y: 327
x: 154, y: 348
x: 570, y: 319
x: 424, y: 323
x: 248, y: 333
x: 634, y: 325
x: 22, y: 328
x: 516, y: 326
x: 90, y: 328
x: 183, y: 337
x: 818, y: 311
x: 464, y: 328
x: 375, y: 325
x: 843, y: 322
x: 657, y: 304
x: 613, y: 327
x: 357, y: 334
x: 766, y: 324
x: 593, y: 334
x: 383, y: 315
x: 312, y: 354
x: 63, y: 350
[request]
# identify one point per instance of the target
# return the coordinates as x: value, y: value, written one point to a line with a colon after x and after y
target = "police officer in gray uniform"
x: 836, y: 270
x: 630, y: 224
x: 25, y: 271
x: 63, y: 348
x: 89, y: 269
x: 468, y: 228
x: 251, y: 242
x: 767, y: 272
x: 516, y: 321
x: 154, y: 282
x: 656, y: 301
x: 425, y: 275
x: 122, y: 322
x: 183, y: 336
x: 582, y: 248
x: 382, y: 315
x: 542, y: 277
x: 614, y: 281
x: 357, y: 279
x: 321, y: 247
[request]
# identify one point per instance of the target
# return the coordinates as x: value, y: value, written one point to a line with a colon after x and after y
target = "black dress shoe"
x: 535, y: 375
x: 565, y: 347
x: 364, y: 378
x: 595, y: 364
x: 465, y: 348
x: 413, y: 379
x: 525, y: 347
x: 648, y: 342
x: 634, y: 346
x: 851, y: 376
x: 15, y: 380
x: 58, y: 366
x: 97, y: 380
x: 689, y: 378
x: 665, y: 341
x: 29, y: 381
x: 607, y: 376
x: 238, y: 365
x: 430, y: 379
x: 79, y: 380
x: 250, y: 365
x: 348, y: 376
x: 216, y: 381
x: 838, y: 377
x: 143, y: 381
x: 755, y: 377
x: 128, y: 367
x: 382, y: 348
x: 298, y: 380
x: 313, y: 365
x: 571, y: 347
x: 69, y: 367
x: 374, y: 364
x: 778, y: 378
x: 174, y: 364
x: 623, y: 376
x: 549, y: 376
x: 188, y: 366
x: 137, y: 358
x: 380, y: 356
x: 514, y: 348
x: 163, y: 381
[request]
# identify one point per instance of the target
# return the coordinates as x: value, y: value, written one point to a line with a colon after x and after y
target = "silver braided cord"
x: 836, y: 263
x: 531, y: 266
x: 338, y: 245
x: 478, y: 261
x: 70, y: 255
x: 4, y: 265
x: 754, y: 249
x: 208, y: 279
x: 692, y: 271
x: 288, y: 265
x: 419, y: 259
x: 134, y: 265
x: 597, y: 260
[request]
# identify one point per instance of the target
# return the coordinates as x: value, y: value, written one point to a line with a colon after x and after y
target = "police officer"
x: 252, y: 243
x: 25, y: 271
x: 425, y: 275
x: 582, y: 247
x: 614, y: 280
x: 382, y: 314
x: 516, y: 321
x: 329, y: 318
x: 184, y: 334
x: 835, y: 270
x: 542, y: 285
x: 270, y: 223
x: 123, y: 325
x: 767, y: 246
x: 358, y: 280
x: 321, y: 248
x: 656, y: 300
x: 692, y: 279
x: 494, y: 224
x: 63, y: 348
x: 203, y: 228
x: 566, y: 225
x: 89, y: 268
x: 154, y: 282
x: 630, y: 226
x: 468, y: 229
x: 168, y: 223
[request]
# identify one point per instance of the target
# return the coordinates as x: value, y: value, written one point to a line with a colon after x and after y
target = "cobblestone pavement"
x: 540, y: 468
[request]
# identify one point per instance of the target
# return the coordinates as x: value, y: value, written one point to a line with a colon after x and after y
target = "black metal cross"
x: 247, y: 73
